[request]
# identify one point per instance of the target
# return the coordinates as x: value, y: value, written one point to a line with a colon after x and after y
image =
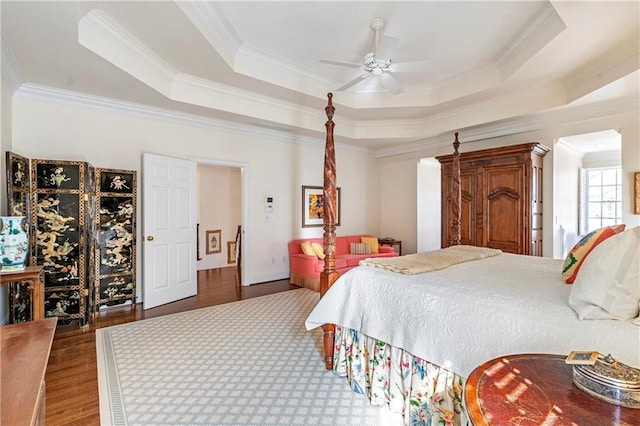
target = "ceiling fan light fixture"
x: 373, y: 67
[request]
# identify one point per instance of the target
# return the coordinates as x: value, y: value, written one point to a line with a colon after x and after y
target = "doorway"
x: 220, y: 213
x: 573, y: 157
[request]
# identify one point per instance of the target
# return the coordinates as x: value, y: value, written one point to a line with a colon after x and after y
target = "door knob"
x: 150, y: 238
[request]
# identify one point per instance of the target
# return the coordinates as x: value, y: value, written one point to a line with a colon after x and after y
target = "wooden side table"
x: 391, y: 242
x: 34, y: 275
x: 535, y: 389
x: 24, y: 350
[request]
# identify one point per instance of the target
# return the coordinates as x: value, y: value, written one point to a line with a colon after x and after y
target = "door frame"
x: 244, y: 173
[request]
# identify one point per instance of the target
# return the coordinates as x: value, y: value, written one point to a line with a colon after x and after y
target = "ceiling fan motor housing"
x: 370, y: 60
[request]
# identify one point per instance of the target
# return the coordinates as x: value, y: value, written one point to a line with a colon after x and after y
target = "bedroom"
x: 69, y: 121
x: 44, y: 121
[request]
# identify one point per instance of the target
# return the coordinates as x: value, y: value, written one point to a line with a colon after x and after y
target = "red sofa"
x: 305, y: 269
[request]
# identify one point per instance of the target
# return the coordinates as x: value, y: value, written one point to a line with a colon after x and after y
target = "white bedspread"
x: 469, y: 313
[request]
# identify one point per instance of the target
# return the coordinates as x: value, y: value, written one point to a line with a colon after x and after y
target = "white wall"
x: 429, y: 205
x: 566, y: 190
x: 277, y: 164
x: 398, y: 205
x: 5, y: 145
x: 219, y: 207
x: 630, y: 154
x: 397, y: 208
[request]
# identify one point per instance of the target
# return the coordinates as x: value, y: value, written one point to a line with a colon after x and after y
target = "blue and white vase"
x: 14, y: 242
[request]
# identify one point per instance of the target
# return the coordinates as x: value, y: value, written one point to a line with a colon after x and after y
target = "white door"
x: 169, y: 229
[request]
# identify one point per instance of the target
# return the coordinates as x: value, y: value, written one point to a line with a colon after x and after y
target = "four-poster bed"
x: 409, y: 338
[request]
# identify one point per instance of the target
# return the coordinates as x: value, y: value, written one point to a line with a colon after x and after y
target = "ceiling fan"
x: 377, y: 64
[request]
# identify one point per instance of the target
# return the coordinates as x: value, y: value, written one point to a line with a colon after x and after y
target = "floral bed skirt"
x: 424, y: 393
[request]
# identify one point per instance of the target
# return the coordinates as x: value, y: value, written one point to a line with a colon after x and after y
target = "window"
x: 601, y: 202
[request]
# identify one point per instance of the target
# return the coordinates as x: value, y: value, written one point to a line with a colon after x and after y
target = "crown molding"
x: 257, y: 64
x: 543, y: 27
x: 246, y: 60
x: 11, y: 74
x: 214, y: 26
x: 30, y: 91
x: 536, y: 121
x: 249, y: 61
x: 614, y: 64
x: 415, y: 147
x: 202, y: 92
x: 465, y: 84
x: 106, y: 38
x: 526, y: 123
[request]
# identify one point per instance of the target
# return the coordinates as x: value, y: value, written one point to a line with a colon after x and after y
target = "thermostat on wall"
x: 268, y: 204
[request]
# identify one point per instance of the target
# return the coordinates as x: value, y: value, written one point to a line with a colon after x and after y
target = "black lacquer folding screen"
x: 115, y: 255
x: 82, y: 230
x: 60, y: 237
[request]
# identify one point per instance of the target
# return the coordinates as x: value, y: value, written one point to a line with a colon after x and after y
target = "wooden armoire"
x: 501, y: 198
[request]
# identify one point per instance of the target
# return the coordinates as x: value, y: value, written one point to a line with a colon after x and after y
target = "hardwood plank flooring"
x: 72, y: 378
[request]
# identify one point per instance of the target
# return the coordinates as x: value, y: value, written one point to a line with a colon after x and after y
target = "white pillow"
x: 608, y: 283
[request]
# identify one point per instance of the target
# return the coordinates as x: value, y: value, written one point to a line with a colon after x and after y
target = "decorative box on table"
x: 609, y: 380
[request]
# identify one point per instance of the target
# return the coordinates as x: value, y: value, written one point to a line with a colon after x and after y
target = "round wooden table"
x: 536, y: 389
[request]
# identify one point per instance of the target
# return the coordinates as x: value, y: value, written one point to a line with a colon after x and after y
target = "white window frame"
x: 585, y: 194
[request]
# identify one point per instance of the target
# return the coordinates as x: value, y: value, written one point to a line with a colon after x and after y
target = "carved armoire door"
x: 503, y: 205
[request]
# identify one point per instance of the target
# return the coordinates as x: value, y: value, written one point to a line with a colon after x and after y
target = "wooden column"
x: 456, y: 195
x: 329, y: 274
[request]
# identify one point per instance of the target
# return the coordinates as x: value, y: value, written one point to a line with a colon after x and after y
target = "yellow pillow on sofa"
x: 318, y: 250
x: 306, y: 248
x: 373, y: 243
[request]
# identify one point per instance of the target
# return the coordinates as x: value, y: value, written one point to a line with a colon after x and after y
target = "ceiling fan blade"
x: 341, y: 64
x: 353, y: 82
x: 416, y: 66
x: 385, y: 48
x: 391, y: 84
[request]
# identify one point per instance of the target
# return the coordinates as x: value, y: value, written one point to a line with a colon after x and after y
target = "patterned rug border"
x: 109, y: 391
x: 290, y: 387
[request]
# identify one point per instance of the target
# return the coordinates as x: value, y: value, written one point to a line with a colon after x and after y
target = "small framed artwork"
x: 213, y: 241
x: 582, y: 357
x: 636, y: 191
x: 313, y: 206
x: 231, y: 252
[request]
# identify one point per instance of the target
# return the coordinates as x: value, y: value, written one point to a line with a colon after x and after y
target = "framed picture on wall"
x: 231, y: 252
x: 313, y: 206
x: 636, y: 180
x: 213, y: 241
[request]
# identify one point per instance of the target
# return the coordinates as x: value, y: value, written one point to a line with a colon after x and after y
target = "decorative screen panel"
x: 82, y: 224
x: 18, y: 184
x: 115, y: 259
x: 61, y: 235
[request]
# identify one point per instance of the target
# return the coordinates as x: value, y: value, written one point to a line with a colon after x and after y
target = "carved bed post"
x: 456, y: 195
x: 329, y: 274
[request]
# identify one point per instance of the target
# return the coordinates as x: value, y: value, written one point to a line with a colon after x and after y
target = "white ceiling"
x: 588, y: 143
x: 258, y: 62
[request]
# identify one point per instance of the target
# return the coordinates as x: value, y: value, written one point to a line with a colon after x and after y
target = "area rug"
x: 244, y: 363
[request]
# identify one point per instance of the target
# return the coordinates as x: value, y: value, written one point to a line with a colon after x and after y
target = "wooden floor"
x: 72, y: 378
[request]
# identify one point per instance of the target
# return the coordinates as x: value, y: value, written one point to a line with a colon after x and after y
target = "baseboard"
x: 257, y: 279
